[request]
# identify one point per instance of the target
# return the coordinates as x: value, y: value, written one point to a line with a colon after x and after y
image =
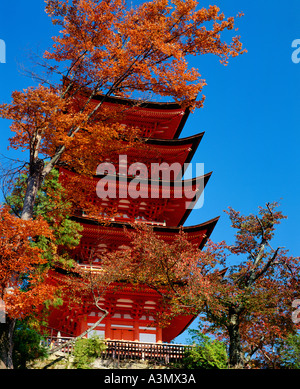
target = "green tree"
x: 87, y: 350
x: 52, y: 205
x: 289, y: 352
x: 206, y: 353
x: 27, y: 345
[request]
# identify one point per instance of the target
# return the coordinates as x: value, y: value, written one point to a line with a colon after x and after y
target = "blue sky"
x: 250, y: 119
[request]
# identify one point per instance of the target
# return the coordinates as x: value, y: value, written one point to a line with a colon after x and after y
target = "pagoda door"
x: 122, y: 334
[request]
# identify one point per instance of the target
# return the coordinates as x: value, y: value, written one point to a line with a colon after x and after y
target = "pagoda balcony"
x: 122, y: 219
x: 92, y: 268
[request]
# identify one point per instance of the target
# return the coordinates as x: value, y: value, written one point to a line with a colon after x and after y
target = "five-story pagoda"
x: 158, y: 196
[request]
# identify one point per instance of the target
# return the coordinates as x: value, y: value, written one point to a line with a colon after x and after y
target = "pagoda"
x: 132, y: 312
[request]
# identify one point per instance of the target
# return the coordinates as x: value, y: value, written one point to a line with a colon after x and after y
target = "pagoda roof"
x: 172, y: 150
x: 105, y: 236
x: 190, y: 140
x: 168, y: 202
x: 166, y: 105
x: 163, y: 120
x: 160, y: 151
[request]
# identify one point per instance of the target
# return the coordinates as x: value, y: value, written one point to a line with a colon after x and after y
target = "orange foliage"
x: 108, y: 49
x: 22, y: 286
x: 139, y: 49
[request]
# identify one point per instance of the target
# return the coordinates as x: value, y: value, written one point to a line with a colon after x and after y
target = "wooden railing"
x: 166, y: 352
x: 122, y: 349
x: 57, y: 341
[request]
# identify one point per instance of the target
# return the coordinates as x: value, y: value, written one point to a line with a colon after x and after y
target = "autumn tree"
x: 243, y: 292
x: 62, y: 234
x: 252, y: 303
x: 106, y: 49
x: 22, y: 275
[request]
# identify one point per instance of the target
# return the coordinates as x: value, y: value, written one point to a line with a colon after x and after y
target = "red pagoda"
x: 132, y: 313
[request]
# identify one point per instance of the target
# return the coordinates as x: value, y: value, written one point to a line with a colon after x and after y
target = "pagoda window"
x: 127, y: 316
x: 123, y: 247
x: 100, y: 333
x: 147, y: 338
x: 125, y: 301
x: 150, y: 302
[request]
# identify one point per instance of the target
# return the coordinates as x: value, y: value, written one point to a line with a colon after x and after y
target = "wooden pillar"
x: 83, y: 326
x: 136, y: 330
x: 159, y: 335
x: 108, y: 334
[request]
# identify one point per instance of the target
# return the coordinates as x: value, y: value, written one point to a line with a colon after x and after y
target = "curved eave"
x: 188, y: 211
x: 140, y: 107
x: 137, y: 103
x: 195, y: 230
x: 194, y: 141
x: 160, y: 183
x: 150, y: 105
x: 146, y: 181
x: 121, y: 100
x: 164, y: 148
x: 208, y: 226
x: 176, y: 327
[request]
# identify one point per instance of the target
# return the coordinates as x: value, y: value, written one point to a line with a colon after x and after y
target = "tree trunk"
x: 6, y: 343
x: 34, y: 183
x: 236, y: 355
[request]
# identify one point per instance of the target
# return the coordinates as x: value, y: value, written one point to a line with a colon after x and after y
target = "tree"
x: 87, y: 350
x: 252, y: 304
x: 179, y: 272
x: 247, y: 303
x: 27, y: 345
x: 206, y: 353
x: 289, y: 352
x: 106, y: 50
x: 22, y: 275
